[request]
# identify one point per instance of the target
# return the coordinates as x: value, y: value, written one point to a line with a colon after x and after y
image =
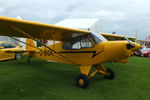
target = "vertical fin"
x: 31, y: 42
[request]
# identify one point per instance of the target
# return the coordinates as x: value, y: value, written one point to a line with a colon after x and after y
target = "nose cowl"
x: 120, y: 50
x: 132, y: 47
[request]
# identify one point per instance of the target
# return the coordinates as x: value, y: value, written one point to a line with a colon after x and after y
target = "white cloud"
x: 2, y: 9
x: 122, y: 16
x: 115, y: 16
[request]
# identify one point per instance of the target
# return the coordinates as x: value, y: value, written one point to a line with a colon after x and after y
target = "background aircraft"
x: 6, y: 46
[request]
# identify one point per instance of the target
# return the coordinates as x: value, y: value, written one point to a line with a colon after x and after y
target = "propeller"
x: 130, y: 45
x: 139, y: 52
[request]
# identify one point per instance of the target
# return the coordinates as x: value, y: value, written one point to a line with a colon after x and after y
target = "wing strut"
x: 29, y: 45
x: 21, y: 31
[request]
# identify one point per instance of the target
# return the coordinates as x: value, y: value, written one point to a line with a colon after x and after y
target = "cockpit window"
x: 8, y: 45
x: 84, y: 41
x: 78, y: 43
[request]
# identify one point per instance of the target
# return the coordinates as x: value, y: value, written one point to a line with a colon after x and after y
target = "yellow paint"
x: 28, y: 47
x: 31, y: 42
x: 81, y: 81
x: 85, y: 69
x: 95, y: 72
x: 101, y: 72
x: 6, y: 56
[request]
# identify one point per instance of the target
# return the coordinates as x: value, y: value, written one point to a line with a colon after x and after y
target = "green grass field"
x: 43, y: 80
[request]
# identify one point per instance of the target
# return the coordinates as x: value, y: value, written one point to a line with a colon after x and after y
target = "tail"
x: 30, y: 45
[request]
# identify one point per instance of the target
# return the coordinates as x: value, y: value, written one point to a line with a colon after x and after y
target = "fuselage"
x: 89, y: 50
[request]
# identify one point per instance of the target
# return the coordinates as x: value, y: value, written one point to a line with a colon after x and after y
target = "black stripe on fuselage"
x: 94, y: 52
x: 77, y: 52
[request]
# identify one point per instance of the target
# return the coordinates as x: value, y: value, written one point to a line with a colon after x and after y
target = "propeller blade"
x: 130, y: 42
x: 139, y: 52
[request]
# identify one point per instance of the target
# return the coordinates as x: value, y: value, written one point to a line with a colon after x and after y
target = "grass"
x: 43, y: 80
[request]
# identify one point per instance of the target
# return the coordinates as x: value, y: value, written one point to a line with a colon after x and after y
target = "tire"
x: 111, y: 74
x: 82, y: 81
x: 18, y: 56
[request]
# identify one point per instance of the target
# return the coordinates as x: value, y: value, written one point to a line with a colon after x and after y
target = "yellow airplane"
x: 115, y: 37
x: 6, y: 46
x: 78, y: 47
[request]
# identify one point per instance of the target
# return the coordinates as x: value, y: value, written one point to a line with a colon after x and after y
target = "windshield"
x: 97, y: 37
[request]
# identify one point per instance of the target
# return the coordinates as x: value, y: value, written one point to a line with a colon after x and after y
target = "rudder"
x: 30, y: 42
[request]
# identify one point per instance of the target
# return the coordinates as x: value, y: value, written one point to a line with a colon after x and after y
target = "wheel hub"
x: 81, y: 82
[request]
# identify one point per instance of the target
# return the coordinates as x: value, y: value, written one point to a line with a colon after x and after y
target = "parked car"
x: 6, y: 46
x: 145, y: 52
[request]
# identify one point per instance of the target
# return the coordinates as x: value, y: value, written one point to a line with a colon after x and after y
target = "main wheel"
x: 18, y: 56
x: 111, y: 74
x: 82, y: 81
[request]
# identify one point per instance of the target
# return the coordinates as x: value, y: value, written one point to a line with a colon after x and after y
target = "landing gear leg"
x: 108, y: 73
x: 29, y: 59
x: 83, y: 80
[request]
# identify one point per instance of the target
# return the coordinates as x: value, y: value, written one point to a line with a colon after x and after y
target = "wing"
x: 37, y: 30
x: 114, y: 37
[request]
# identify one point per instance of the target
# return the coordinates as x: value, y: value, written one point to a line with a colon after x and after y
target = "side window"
x: 78, y: 43
x: 85, y: 42
x: 76, y: 46
x: 75, y: 43
x: 7, y: 45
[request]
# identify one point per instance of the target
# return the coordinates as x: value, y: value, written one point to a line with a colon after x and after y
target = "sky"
x: 121, y: 16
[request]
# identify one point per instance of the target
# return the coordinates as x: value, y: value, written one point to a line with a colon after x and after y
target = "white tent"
x: 91, y: 24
